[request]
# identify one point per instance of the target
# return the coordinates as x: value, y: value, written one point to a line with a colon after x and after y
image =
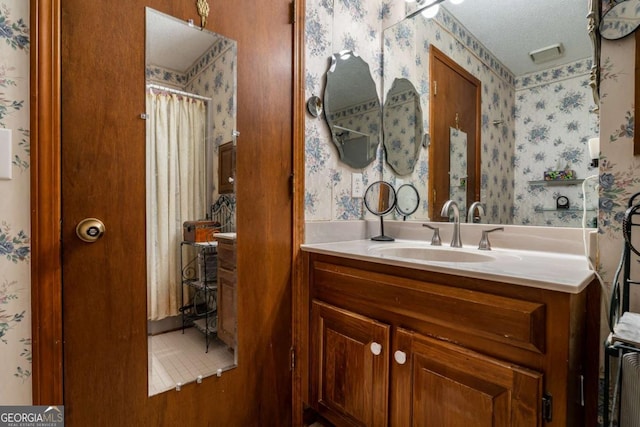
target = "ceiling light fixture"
x: 428, y: 8
x: 431, y: 11
x: 548, y: 53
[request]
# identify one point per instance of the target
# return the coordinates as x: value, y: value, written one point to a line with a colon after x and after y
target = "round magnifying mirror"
x: 407, y: 200
x: 621, y: 20
x: 380, y: 199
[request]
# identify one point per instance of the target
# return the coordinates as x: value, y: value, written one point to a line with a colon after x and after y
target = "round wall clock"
x: 562, y: 202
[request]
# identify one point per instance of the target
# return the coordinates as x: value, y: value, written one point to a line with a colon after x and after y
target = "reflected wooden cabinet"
x: 227, y: 291
x: 395, y: 346
x: 226, y: 168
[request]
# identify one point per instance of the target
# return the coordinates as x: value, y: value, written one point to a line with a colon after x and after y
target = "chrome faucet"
x: 474, y: 206
x: 456, y: 241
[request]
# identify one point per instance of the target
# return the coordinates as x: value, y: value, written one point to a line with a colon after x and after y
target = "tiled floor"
x: 180, y: 358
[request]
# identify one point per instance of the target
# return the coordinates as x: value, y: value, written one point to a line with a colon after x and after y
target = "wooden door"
x: 349, y: 367
x: 103, y: 308
x: 454, y: 102
x: 445, y: 385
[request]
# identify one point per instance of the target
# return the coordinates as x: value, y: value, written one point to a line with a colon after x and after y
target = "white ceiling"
x: 172, y: 43
x: 510, y: 29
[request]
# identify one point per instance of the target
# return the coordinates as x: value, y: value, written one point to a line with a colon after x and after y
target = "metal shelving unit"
x: 199, y: 273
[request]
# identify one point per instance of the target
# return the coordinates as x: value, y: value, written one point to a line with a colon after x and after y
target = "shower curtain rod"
x: 177, y: 92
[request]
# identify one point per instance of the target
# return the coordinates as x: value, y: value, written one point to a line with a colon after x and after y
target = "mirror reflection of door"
x: 455, y: 102
x: 191, y: 116
x: 458, y: 168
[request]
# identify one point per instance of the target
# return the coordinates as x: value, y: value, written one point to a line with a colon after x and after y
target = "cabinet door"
x: 226, y: 167
x: 442, y: 384
x: 349, y: 362
x: 227, y: 319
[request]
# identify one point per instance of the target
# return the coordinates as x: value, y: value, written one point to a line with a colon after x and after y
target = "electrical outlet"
x: 357, y: 187
x: 5, y: 153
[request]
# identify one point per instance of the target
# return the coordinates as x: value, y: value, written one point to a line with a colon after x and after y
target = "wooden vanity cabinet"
x: 352, y: 366
x: 227, y: 291
x: 402, y: 347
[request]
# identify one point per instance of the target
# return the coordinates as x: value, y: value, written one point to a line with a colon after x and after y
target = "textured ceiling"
x: 512, y: 28
x: 172, y: 44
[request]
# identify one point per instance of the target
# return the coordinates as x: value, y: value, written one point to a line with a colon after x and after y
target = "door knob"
x: 376, y: 348
x: 90, y: 230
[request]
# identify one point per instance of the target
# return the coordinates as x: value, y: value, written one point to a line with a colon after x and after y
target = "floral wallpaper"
x: 619, y: 168
x: 15, y: 249
x: 333, y: 26
x: 553, y: 123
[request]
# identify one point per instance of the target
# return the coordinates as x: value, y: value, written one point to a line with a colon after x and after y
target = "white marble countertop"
x: 229, y: 236
x: 562, y: 272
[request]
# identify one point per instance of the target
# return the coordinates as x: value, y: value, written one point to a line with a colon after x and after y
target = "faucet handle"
x: 485, y: 245
x: 435, y: 240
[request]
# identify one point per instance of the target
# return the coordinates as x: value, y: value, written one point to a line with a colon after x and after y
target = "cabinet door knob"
x: 400, y: 356
x: 230, y: 180
x: 376, y: 348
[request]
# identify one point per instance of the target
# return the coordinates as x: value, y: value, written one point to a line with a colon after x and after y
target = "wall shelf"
x: 557, y: 182
x: 563, y: 210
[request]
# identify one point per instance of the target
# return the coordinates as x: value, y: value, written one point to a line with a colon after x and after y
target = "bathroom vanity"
x: 398, y: 341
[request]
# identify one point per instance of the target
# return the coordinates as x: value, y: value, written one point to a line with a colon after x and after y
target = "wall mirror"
x: 402, y: 125
x: 621, y: 20
x: 190, y: 94
x: 380, y: 199
x: 536, y: 112
x: 352, y: 109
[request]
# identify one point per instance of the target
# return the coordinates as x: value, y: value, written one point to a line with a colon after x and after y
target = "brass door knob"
x: 90, y: 230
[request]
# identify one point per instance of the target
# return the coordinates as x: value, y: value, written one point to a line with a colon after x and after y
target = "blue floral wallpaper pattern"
x: 15, y: 247
x: 553, y: 123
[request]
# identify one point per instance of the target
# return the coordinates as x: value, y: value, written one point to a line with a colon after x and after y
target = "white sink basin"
x: 435, y: 253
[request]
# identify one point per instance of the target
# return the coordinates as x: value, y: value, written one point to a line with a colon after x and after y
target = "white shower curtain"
x: 175, y: 192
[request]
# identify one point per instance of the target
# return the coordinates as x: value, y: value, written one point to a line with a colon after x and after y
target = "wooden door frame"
x: 45, y: 195
x: 46, y: 265
x: 299, y: 281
